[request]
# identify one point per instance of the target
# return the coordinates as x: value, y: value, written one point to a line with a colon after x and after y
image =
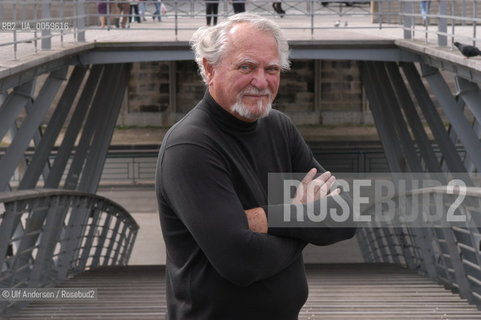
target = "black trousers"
x: 239, y: 7
x: 278, y: 7
x: 134, y: 8
x: 211, y: 10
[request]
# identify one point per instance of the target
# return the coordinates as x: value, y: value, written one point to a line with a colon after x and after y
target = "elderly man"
x: 223, y: 262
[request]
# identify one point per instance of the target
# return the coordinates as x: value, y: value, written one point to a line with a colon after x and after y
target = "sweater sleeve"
x: 326, y: 232
x: 198, y: 187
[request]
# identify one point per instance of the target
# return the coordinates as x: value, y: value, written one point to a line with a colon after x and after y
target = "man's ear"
x: 209, y: 70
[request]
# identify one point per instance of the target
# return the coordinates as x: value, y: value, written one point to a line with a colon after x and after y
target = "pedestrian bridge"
x: 55, y: 230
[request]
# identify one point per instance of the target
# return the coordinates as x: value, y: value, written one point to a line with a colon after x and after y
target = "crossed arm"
x: 310, y: 189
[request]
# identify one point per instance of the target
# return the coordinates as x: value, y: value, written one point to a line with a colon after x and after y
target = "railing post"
x: 14, y: 16
x: 2, y: 9
x: 474, y: 22
x: 46, y: 34
x: 176, y: 25
x: 81, y: 9
x: 443, y: 24
x: 407, y: 19
x: 312, y: 17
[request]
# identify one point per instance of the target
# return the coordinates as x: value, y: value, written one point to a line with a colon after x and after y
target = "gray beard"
x: 259, y: 112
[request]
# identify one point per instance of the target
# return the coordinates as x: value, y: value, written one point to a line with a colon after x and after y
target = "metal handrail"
x: 59, y: 19
x: 49, y: 235
x: 442, y: 22
x: 81, y: 16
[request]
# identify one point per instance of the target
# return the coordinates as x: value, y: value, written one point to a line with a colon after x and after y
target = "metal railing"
x: 47, y: 236
x: 450, y: 255
x: 445, y: 22
x: 44, y: 24
x: 126, y: 165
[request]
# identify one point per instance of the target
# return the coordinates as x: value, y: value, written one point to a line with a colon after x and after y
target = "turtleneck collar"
x: 223, y: 118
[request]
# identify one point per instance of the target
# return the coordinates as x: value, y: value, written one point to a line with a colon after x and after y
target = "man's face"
x: 246, y: 80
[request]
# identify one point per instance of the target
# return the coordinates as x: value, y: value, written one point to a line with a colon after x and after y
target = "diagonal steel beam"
x: 104, y: 113
x: 29, y: 126
x: 389, y: 138
x: 396, y: 119
x: 44, y: 148
x: 457, y: 119
x: 36, y: 138
x: 471, y: 95
x: 66, y: 148
x: 433, y: 119
x: 386, y: 134
x: 91, y: 123
x: 413, y: 119
x: 103, y: 135
x: 467, y: 161
x: 14, y: 104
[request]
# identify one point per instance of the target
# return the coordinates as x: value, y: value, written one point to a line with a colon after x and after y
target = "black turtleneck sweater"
x: 213, y: 166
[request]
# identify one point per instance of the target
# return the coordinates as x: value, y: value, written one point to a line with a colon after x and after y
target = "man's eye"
x: 273, y: 69
x: 245, y: 67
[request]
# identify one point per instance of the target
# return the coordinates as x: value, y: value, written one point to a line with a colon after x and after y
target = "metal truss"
x: 36, y: 228
x: 399, y: 99
x: 87, y: 105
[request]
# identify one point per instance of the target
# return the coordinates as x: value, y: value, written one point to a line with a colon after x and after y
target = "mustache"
x: 253, y: 90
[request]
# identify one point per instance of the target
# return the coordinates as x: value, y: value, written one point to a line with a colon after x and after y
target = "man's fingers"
x: 325, y: 176
x: 309, y: 176
x: 312, y: 189
x: 319, y: 181
x: 330, y: 182
x: 335, y: 192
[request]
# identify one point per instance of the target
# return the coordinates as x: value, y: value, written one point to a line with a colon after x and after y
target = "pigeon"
x: 468, y: 51
x: 337, y: 24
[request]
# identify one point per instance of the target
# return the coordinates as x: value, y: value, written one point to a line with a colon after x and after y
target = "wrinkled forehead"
x: 245, y: 36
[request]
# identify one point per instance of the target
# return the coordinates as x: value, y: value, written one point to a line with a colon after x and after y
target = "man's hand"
x: 311, y: 189
x: 257, y: 219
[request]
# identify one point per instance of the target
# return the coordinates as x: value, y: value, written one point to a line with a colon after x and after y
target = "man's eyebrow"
x: 252, y: 61
x: 247, y: 60
x: 274, y: 64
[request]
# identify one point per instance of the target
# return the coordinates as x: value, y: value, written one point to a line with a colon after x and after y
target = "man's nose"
x: 259, y: 79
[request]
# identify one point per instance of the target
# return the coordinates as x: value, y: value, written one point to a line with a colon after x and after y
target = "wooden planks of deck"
x: 337, y: 291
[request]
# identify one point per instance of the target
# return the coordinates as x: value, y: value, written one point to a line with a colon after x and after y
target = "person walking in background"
x: 142, y: 9
x: 157, y: 13
x: 239, y: 6
x: 113, y: 13
x: 134, y: 11
x: 424, y: 6
x: 102, y: 11
x: 211, y: 10
x: 124, y: 12
x: 277, y: 5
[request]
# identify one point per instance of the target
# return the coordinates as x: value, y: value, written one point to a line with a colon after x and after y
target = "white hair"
x: 211, y: 42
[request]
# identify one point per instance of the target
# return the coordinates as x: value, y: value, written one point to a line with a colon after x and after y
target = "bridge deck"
x: 361, y: 30
x: 337, y: 291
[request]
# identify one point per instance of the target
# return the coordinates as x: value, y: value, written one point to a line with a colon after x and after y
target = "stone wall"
x: 312, y: 92
x: 342, y: 98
